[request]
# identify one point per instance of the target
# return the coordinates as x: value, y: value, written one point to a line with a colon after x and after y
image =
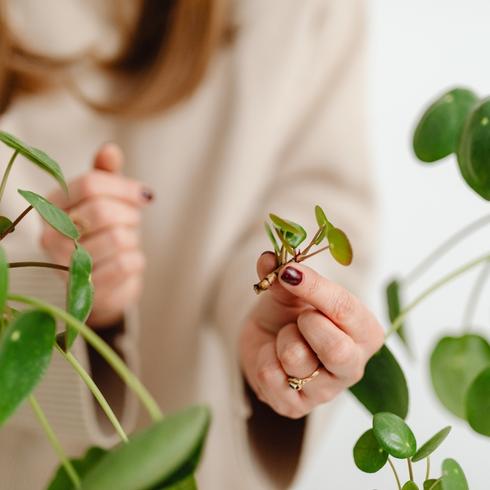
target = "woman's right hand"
x: 106, y: 207
x: 302, y: 324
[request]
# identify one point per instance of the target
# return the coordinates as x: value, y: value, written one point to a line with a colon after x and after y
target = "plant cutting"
x: 165, y: 454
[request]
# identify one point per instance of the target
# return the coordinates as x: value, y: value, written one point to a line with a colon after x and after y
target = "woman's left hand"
x: 302, y: 323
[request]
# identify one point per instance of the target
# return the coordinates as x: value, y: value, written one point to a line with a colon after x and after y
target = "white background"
x: 418, y: 49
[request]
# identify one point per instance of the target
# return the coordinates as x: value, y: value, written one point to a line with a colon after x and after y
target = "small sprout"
x: 291, y: 235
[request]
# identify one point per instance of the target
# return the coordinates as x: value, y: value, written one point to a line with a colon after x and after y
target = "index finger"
x: 331, y: 299
x: 99, y: 183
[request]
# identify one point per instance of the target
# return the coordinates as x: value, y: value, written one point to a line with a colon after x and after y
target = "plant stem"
x: 427, y: 468
x: 320, y: 250
x: 55, y: 443
x: 7, y: 173
x: 101, y: 347
x: 46, y: 265
x: 431, y: 289
x: 474, y: 296
x: 94, y: 389
x: 410, y: 469
x: 395, y: 473
x: 315, y: 238
x: 16, y: 222
x: 444, y: 247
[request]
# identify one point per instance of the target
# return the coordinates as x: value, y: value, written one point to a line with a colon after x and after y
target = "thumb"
x: 109, y: 158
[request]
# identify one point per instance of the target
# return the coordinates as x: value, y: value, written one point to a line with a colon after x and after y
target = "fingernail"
x: 267, y: 252
x: 292, y: 276
x: 147, y: 194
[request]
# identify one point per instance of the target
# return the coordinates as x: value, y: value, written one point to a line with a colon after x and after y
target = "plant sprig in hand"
x: 291, y: 235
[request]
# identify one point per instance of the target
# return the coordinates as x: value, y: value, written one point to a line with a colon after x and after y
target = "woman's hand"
x: 106, y: 207
x: 302, y: 323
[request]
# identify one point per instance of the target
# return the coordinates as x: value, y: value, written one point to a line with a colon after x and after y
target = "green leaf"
x: 293, y: 233
x: 61, y: 480
x: 271, y: 236
x: 5, y: 224
x: 284, y: 242
x: 410, y: 485
x: 321, y: 219
x: 36, y: 156
x: 394, y: 435
x: 393, y: 303
x: 438, y: 132
x: 369, y: 456
x: 474, y: 149
x: 478, y: 403
x: 188, y: 483
x: 431, y: 445
x: 54, y: 216
x: 383, y: 387
x: 153, y: 454
x: 4, y: 279
x: 454, y: 364
x: 339, y: 246
x: 80, y: 290
x: 25, y: 352
x: 453, y: 477
x: 432, y: 484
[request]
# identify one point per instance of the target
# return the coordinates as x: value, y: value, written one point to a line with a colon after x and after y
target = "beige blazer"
x: 277, y: 125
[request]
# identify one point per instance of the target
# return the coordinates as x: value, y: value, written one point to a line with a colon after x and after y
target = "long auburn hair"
x: 164, y: 57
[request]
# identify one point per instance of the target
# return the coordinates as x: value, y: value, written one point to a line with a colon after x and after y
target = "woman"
x: 222, y: 112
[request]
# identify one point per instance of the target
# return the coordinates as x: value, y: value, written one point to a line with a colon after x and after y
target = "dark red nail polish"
x: 147, y: 194
x: 292, y: 276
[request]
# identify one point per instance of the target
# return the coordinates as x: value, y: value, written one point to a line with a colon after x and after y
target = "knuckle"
x: 266, y: 373
x: 290, y: 411
x: 117, y: 237
x: 324, y: 394
x: 377, y: 337
x: 342, y: 306
x: 101, y: 213
x: 340, y: 353
x: 357, y: 374
x: 87, y: 185
x: 293, y: 354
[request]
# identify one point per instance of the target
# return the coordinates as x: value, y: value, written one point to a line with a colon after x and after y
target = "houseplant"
x: 164, y: 455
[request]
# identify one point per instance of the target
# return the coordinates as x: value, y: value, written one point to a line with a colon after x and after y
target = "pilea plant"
x: 458, y: 123
x: 391, y: 436
x: 164, y: 455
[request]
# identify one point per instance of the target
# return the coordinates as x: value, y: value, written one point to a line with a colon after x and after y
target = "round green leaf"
x: 369, y: 456
x: 478, y: 403
x: 454, y: 364
x: 432, y: 484
x: 54, y: 216
x: 394, y: 435
x: 339, y: 246
x: 321, y: 219
x: 5, y: 224
x: 383, y: 387
x: 453, y: 477
x: 4, y: 279
x: 410, y: 485
x: 80, y: 293
x: 293, y: 233
x: 36, y: 156
x: 393, y: 303
x: 153, y: 454
x: 61, y: 480
x: 438, y: 132
x: 25, y: 352
x: 431, y: 445
x: 474, y: 149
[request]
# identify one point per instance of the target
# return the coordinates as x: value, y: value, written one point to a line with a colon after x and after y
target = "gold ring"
x: 297, y: 383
